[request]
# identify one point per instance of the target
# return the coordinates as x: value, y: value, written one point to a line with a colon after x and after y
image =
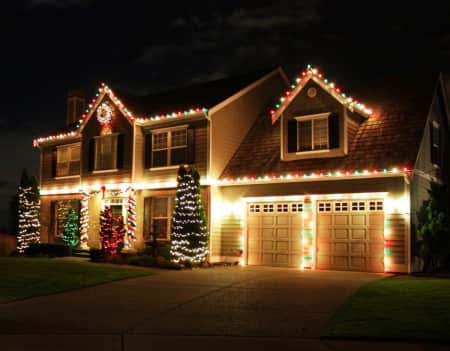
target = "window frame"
x: 169, y: 146
x: 312, y: 118
x: 56, y: 219
x: 70, y: 147
x: 115, y: 151
x: 169, y: 217
x: 435, y: 145
x: 114, y: 201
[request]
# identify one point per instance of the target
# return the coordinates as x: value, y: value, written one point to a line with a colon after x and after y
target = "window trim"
x: 435, y: 126
x: 68, y: 146
x: 312, y: 118
x: 170, y: 208
x: 169, y: 148
x: 107, y: 170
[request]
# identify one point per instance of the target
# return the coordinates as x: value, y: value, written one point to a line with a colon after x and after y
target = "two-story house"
x: 298, y: 175
x: 124, y: 151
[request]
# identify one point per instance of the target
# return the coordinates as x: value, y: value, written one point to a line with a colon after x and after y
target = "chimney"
x: 76, y: 103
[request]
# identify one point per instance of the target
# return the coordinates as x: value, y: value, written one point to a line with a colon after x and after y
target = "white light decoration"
x: 28, y: 213
x: 131, y: 218
x: 189, y: 239
x: 84, y: 221
x: 104, y: 113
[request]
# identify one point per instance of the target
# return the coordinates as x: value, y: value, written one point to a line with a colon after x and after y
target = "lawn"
x: 402, y: 308
x: 22, y: 278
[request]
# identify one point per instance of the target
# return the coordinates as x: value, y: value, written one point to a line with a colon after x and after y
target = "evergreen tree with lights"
x: 189, y: 239
x: 111, y: 236
x: 28, y: 229
x: 71, y: 231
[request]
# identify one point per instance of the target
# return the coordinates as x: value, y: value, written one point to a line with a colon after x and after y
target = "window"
x: 169, y: 148
x: 313, y: 134
x: 161, y: 223
x: 61, y: 209
x: 435, y: 142
x: 68, y: 160
x: 118, y: 207
x: 106, y: 152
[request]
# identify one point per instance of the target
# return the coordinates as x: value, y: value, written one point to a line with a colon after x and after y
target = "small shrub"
x: 48, y: 249
x: 97, y: 255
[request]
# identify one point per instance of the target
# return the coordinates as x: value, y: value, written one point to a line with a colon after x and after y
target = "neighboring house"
x: 318, y: 181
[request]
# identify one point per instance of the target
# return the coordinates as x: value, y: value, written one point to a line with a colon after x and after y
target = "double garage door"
x: 348, y: 234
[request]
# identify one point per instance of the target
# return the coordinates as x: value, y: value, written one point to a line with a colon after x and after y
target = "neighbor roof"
x: 390, y: 137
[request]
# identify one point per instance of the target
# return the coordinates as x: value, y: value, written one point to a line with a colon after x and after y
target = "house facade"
x: 298, y: 175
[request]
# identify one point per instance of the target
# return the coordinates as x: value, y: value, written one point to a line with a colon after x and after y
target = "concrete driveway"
x: 227, y: 304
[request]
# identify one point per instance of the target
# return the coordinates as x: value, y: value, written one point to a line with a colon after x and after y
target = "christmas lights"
x: 312, y: 73
x: 189, y: 239
x: 131, y: 217
x: 84, y: 221
x: 308, y: 237
x: 70, y: 232
x: 298, y: 176
x: 104, y: 114
x: 111, y: 236
x: 28, y: 213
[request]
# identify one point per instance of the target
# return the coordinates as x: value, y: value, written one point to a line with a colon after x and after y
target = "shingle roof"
x: 389, y: 138
x: 206, y: 94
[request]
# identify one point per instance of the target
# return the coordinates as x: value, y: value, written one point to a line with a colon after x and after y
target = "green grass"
x: 401, y: 308
x: 22, y: 278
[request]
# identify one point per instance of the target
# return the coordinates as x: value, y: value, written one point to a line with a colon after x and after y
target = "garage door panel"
x: 325, y: 234
x: 340, y: 234
x: 358, y: 263
x: 282, y: 220
x: 253, y: 221
x: 282, y: 234
x: 326, y: 220
x: 358, y: 248
x: 358, y: 234
x: 341, y: 220
x: 376, y: 234
x: 274, y: 234
x: 358, y: 219
x: 296, y: 220
x: 282, y: 245
x: 268, y: 233
x: 350, y: 237
x: 268, y: 220
x: 376, y: 219
x: 340, y: 248
x: 281, y: 259
x: 268, y: 245
x: 340, y: 261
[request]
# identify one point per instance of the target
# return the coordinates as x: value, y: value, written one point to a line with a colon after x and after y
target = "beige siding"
x: 94, y: 208
x: 170, y: 173
x: 139, y: 154
x: 231, y: 122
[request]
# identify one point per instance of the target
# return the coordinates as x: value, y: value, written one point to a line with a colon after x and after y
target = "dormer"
x: 316, y: 119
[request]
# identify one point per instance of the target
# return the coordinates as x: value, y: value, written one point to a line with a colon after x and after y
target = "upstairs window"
x: 316, y: 132
x: 68, y: 160
x: 312, y: 134
x: 170, y: 147
x: 106, y: 152
x: 435, y: 142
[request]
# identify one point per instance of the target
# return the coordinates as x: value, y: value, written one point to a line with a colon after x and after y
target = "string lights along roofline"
x: 313, y: 73
x: 299, y: 176
x: 104, y: 90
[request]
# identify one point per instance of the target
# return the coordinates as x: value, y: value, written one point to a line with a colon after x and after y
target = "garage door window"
x: 358, y: 206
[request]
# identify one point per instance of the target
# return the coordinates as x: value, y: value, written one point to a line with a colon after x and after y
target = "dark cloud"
x: 58, y: 3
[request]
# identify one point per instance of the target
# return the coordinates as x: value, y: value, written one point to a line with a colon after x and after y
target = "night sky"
x: 49, y: 47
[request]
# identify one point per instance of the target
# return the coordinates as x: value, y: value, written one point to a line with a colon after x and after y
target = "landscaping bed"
x: 396, y: 308
x: 23, y: 277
